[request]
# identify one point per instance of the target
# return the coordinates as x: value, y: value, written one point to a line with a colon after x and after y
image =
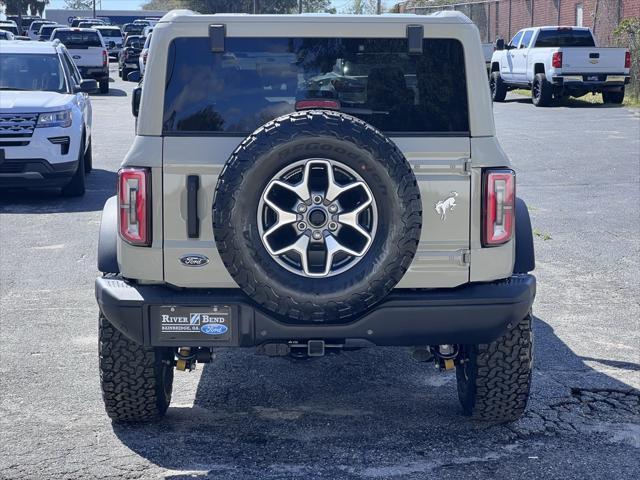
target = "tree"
x: 16, y: 7
x: 362, y: 7
x: 79, y: 4
x: 242, y: 6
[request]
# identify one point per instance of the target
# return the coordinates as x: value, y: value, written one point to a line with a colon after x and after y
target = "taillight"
x: 627, y: 59
x: 556, y: 60
x: 498, y: 206
x: 134, y: 203
x: 105, y: 58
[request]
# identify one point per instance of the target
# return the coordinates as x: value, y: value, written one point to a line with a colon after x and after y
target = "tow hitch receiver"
x: 315, y: 348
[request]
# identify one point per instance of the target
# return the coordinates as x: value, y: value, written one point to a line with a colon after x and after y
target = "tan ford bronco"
x: 303, y: 185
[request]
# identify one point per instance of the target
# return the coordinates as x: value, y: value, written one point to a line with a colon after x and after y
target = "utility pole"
x: 94, y: 8
x: 299, y: 6
x: 379, y: 7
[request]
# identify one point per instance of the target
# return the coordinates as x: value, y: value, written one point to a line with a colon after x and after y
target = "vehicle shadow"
x: 101, y: 184
x: 113, y: 92
x: 259, y: 417
x: 569, y: 102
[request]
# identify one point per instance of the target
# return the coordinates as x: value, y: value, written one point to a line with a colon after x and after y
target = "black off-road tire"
x: 136, y: 381
x: 541, y: 91
x: 613, y: 97
x: 317, y: 134
x: 76, y: 186
x: 495, y: 379
x: 104, y: 86
x: 498, y: 87
x: 88, y: 159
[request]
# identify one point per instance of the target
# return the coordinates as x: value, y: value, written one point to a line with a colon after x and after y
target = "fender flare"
x: 525, y: 261
x: 108, y: 238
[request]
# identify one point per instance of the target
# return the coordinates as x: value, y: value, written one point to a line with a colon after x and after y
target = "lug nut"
x: 317, y: 199
x: 317, y: 235
x: 333, y: 208
x: 333, y: 226
x: 302, y: 208
x: 302, y: 226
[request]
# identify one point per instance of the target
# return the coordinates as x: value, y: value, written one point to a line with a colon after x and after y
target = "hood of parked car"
x: 30, y: 101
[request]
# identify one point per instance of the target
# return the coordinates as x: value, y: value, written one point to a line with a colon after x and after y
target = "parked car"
x: 555, y: 62
x: 9, y: 26
x: 5, y: 35
x: 90, y: 24
x: 45, y: 118
x: 133, y: 28
x: 112, y: 36
x: 34, y: 28
x: 89, y: 52
x: 250, y: 214
x: 144, y: 54
x: 23, y: 22
x: 46, y: 30
x: 128, y: 57
x: 78, y: 20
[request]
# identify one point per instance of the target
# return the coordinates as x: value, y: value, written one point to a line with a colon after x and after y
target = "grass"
x: 543, y: 235
x: 588, y: 99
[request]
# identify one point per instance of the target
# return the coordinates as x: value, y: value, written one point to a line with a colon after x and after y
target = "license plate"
x: 592, y: 78
x: 200, y: 323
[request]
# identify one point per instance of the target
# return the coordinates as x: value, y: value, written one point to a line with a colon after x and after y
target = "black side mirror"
x: 500, y: 44
x: 112, y: 44
x: 134, y: 76
x: 86, y: 86
x: 135, y: 99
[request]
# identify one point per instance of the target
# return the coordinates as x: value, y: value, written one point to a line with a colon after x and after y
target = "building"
x: 503, y: 18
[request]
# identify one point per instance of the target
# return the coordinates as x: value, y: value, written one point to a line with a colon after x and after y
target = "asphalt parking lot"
x: 371, y: 414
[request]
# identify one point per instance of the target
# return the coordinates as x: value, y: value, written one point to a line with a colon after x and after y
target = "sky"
x: 135, y: 4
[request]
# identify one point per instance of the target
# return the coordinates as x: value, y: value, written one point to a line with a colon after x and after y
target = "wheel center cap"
x: 317, y: 217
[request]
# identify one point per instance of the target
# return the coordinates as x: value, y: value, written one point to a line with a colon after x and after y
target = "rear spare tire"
x: 317, y: 216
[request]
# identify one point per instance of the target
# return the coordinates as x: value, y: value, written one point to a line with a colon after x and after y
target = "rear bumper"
x: 591, y: 81
x: 96, y: 73
x: 471, y: 314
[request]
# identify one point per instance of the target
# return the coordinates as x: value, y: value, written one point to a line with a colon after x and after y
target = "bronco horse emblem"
x: 445, y: 205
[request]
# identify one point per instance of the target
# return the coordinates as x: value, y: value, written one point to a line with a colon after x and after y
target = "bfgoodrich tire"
x: 494, y: 380
x: 136, y: 381
x: 317, y: 142
x: 613, y: 97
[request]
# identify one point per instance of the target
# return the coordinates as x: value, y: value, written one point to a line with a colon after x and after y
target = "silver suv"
x: 311, y: 184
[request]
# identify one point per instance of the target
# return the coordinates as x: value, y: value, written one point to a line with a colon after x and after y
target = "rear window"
x: 134, y: 42
x: 258, y: 79
x: 110, y: 32
x: 10, y: 28
x: 78, y: 39
x: 47, y: 29
x: 134, y: 28
x: 565, y: 38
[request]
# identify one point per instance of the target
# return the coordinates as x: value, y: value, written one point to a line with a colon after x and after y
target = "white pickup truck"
x: 555, y: 62
x: 89, y: 52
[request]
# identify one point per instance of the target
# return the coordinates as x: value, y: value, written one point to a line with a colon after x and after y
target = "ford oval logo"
x: 214, y: 329
x: 194, y: 260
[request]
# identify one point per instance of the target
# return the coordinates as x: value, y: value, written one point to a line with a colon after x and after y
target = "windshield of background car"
x: 111, y: 32
x: 258, y: 79
x: 565, y: 38
x: 47, y: 29
x: 134, y: 28
x: 21, y: 71
x: 10, y: 28
x: 135, y: 42
x: 73, y: 39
